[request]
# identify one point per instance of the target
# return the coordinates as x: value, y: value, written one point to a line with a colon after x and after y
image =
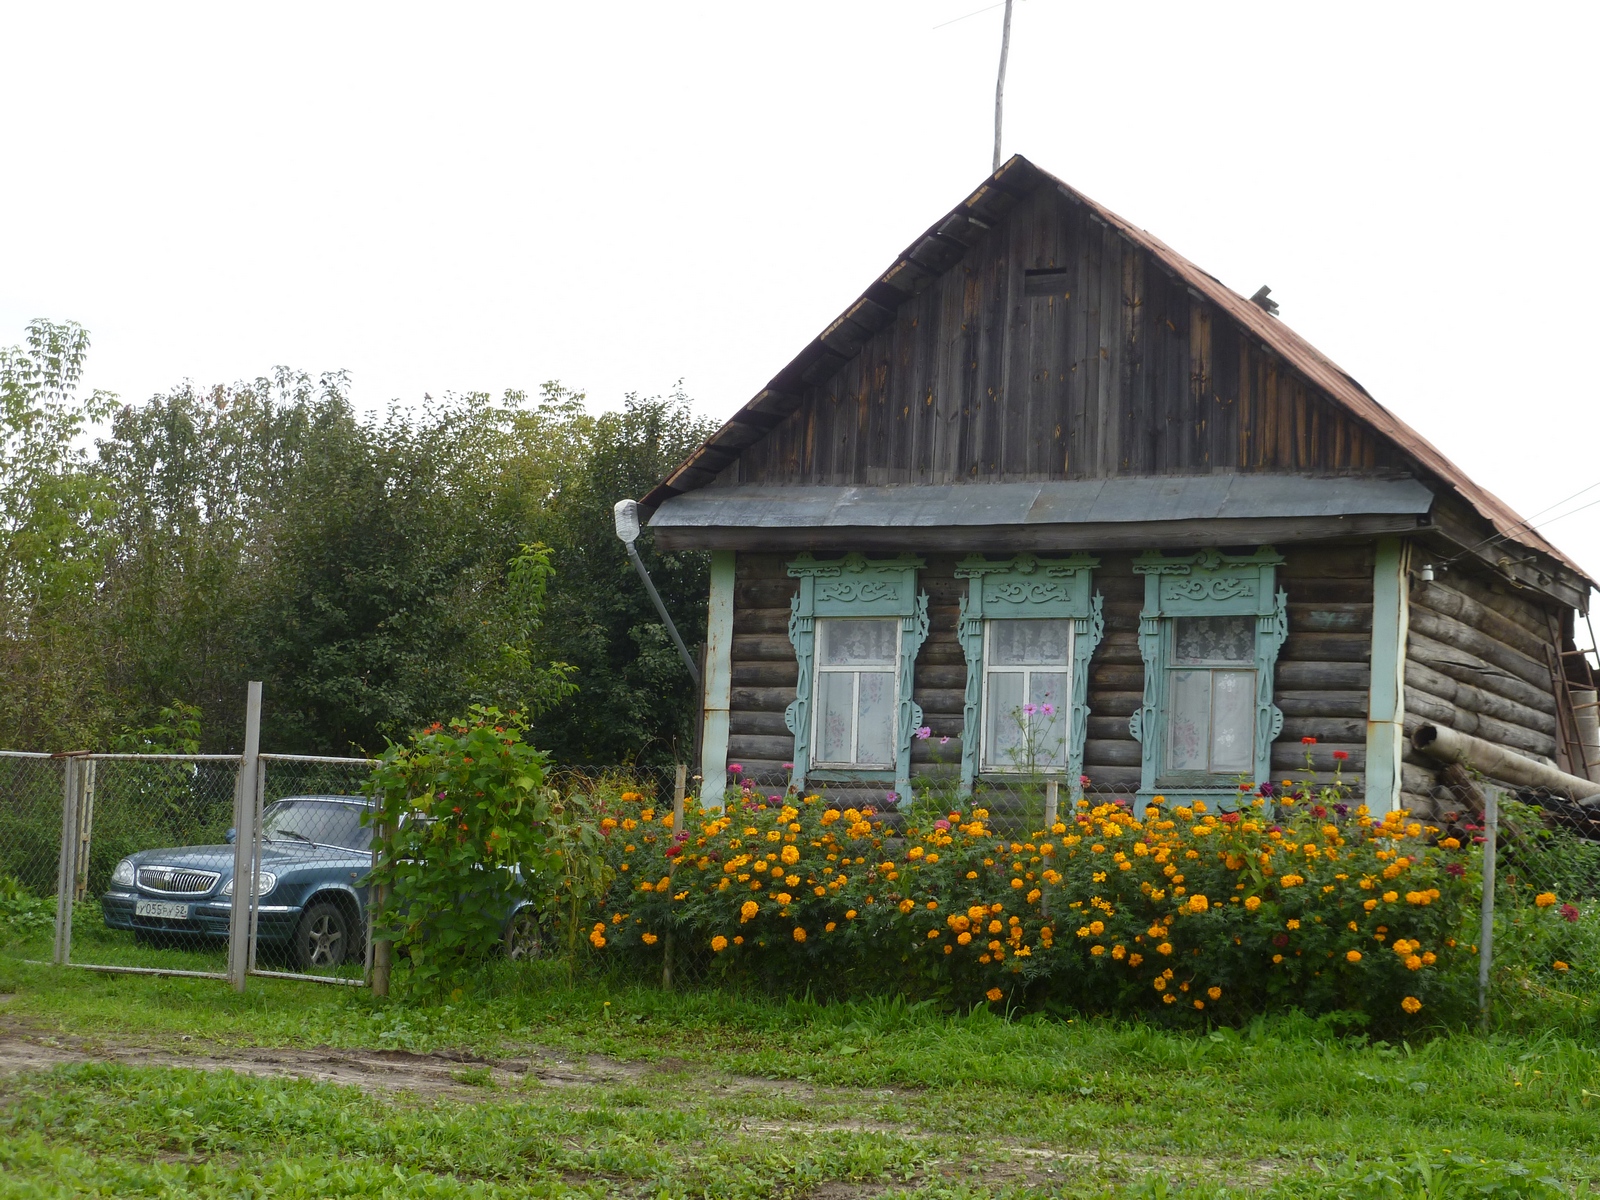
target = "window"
x: 1027, y: 666
x: 1209, y: 636
x: 1212, y: 686
x: 856, y: 625
x: 856, y: 668
x: 1028, y: 628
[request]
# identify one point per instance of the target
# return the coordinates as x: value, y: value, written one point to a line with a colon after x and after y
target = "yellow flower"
x: 1413, y: 961
x: 1352, y: 956
x: 790, y: 854
x: 1097, y: 927
x: 933, y: 933
x: 719, y: 944
x: 1411, y: 1004
x: 1033, y: 896
x: 1097, y: 951
x: 1292, y: 923
x: 799, y: 934
x: 1119, y: 952
x: 972, y: 874
x: 1560, y: 966
x: 1159, y: 983
x: 649, y: 939
x: 1135, y: 959
x: 1450, y: 843
x: 1390, y: 897
x: 1215, y: 993
x: 1252, y: 903
x: 1199, y: 1003
x: 995, y: 995
x: 850, y: 914
x: 907, y: 905
x: 1277, y: 958
x: 1164, y: 948
x: 748, y: 911
x: 1198, y: 903
x: 1545, y: 899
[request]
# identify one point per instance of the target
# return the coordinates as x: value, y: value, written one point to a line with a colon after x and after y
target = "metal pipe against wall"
x: 1586, y: 716
x: 1497, y: 762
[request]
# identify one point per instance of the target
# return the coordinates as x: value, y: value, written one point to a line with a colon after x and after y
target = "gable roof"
x: 943, y: 245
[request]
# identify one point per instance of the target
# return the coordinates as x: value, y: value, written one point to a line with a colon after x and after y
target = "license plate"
x: 161, y: 908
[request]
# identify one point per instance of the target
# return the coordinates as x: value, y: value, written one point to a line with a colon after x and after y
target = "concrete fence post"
x: 66, y: 876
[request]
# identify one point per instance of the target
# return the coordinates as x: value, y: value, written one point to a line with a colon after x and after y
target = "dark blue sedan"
x: 315, y: 855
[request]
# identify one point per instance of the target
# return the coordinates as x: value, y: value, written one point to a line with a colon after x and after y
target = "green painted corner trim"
x: 856, y: 586
x: 1386, y: 700
x: 1207, y: 583
x: 1021, y: 587
x: 718, y: 688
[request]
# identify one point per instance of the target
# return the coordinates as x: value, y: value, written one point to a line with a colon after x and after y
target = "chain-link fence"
x: 30, y: 851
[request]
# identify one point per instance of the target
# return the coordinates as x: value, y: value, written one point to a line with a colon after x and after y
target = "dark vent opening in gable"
x: 1047, y: 281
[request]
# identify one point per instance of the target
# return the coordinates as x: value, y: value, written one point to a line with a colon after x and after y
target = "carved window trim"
x: 1206, y: 584
x: 1022, y: 587
x: 855, y: 586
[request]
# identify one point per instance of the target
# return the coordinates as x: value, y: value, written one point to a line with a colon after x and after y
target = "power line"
x: 973, y: 13
x: 1526, y: 524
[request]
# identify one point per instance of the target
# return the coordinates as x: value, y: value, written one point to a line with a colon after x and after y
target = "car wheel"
x: 322, y: 939
x: 524, y: 939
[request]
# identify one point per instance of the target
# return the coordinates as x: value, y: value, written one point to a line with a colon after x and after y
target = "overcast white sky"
x: 480, y: 196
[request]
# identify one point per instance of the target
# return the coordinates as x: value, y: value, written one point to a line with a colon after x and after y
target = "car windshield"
x: 325, y: 822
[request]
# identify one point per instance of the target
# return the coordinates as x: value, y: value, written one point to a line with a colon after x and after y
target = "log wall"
x: 1477, y: 661
x: 1321, y: 684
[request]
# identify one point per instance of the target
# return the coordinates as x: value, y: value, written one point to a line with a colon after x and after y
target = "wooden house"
x: 1052, y: 493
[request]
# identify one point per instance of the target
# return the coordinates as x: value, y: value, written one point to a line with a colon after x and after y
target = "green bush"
x: 23, y: 916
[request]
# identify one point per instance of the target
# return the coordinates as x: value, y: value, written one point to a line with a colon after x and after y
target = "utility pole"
x: 1000, y: 83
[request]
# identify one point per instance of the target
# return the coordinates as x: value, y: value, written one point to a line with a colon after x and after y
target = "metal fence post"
x: 66, y: 876
x: 680, y: 784
x: 1052, y: 809
x: 244, y: 813
x: 1491, y: 830
x: 80, y: 883
x: 260, y: 792
x: 380, y: 952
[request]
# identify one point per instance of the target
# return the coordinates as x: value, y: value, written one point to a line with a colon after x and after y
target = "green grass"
x: 708, y: 1094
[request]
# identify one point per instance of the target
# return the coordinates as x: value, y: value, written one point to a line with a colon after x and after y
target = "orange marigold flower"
x: 1411, y: 1004
x: 995, y: 995
x: 649, y: 939
x: 1215, y: 993
x: 1352, y: 956
x: 1545, y: 899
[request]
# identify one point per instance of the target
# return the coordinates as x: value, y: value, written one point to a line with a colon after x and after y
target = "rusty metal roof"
x: 944, y: 244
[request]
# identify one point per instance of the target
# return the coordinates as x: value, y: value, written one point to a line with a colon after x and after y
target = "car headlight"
x: 265, y: 882
x: 123, y: 875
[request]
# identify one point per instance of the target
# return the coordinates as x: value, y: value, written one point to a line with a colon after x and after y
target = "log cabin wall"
x: 1055, y: 349
x: 1321, y: 683
x: 1477, y: 661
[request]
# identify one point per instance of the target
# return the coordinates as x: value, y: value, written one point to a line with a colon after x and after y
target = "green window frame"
x: 855, y: 587
x: 1213, y: 587
x: 1026, y: 587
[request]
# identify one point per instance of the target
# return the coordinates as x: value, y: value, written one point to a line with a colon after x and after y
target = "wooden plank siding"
x: 1321, y: 683
x: 1098, y: 364
x: 1477, y: 661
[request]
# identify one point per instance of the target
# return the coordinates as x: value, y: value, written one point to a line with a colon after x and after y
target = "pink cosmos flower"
x: 944, y: 741
x: 924, y: 733
x: 1048, y: 709
x: 1029, y: 710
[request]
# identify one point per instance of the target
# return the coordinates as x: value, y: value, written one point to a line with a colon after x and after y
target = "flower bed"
x: 1296, y: 900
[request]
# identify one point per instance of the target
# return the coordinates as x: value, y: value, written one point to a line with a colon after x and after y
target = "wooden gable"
x: 1055, y: 349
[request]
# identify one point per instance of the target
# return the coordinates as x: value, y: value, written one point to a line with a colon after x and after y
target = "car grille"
x: 177, y: 881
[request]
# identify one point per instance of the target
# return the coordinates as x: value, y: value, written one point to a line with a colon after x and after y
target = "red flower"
x: 1229, y: 818
x: 1308, y: 741
x: 1570, y: 912
x: 674, y: 851
x: 1280, y: 939
x: 1341, y: 755
x: 1455, y: 869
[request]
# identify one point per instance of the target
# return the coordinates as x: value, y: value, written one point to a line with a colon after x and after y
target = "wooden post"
x: 244, y: 842
x: 1491, y: 831
x: 718, y: 692
x: 1386, y: 698
x: 68, y: 861
x: 85, y: 826
x: 680, y: 785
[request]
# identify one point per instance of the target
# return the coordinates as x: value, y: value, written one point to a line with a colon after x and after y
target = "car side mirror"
x: 232, y: 835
